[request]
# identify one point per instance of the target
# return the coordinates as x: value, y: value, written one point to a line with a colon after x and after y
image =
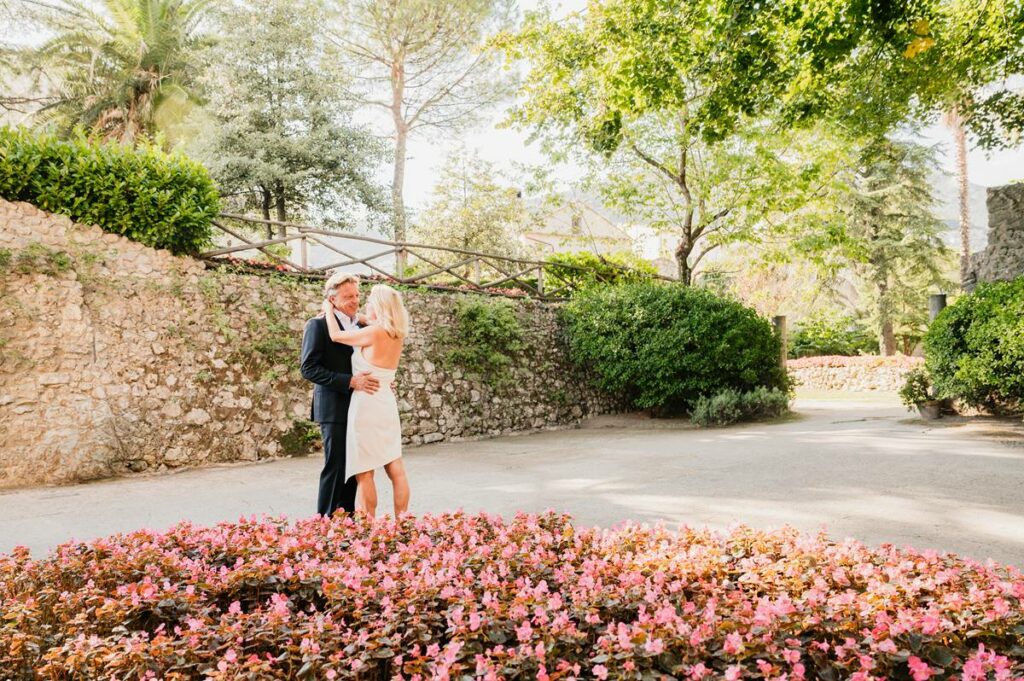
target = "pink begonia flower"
x: 919, y: 669
x: 600, y: 671
x: 733, y: 643
x: 734, y: 673
x: 654, y: 646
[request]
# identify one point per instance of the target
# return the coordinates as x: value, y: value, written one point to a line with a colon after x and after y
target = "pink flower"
x: 600, y: 671
x: 919, y: 669
x: 733, y: 673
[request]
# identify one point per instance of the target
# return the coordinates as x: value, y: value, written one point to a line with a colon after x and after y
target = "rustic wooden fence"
x: 408, y: 263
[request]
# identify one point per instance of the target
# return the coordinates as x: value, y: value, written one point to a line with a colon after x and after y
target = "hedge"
x: 463, y: 597
x: 158, y: 199
x: 664, y: 346
x: 974, y: 350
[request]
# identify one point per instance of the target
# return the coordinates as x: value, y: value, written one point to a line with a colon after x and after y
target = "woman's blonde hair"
x: 391, y: 313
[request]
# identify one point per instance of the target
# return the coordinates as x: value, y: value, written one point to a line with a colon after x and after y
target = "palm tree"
x: 954, y: 121
x: 116, y: 67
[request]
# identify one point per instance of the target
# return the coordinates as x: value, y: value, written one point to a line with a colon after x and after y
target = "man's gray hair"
x: 336, y: 280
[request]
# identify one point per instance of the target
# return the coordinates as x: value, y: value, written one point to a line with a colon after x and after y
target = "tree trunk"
x: 683, y: 262
x: 956, y: 123
x: 398, y: 185
x: 887, y: 338
x: 281, y: 217
x: 401, y: 135
x: 266, y: 210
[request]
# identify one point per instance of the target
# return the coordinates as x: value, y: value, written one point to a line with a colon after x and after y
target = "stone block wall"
x: 1003, y: 258
x: 852, y: 374
x: 115, y: 357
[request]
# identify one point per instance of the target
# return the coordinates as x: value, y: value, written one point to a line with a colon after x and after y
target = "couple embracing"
x: 351, y: 358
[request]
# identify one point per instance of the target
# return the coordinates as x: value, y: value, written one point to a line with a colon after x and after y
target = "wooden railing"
x: 409, y: 263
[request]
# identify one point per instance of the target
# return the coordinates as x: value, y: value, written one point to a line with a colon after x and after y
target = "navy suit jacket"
x: 328, y: 365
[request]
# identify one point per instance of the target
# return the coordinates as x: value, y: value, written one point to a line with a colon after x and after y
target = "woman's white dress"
x: 374, y: 435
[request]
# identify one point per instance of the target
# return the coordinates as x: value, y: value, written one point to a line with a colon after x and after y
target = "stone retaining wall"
x: 1003, y: 258
x: 115, y: 357
x: 852, y: 374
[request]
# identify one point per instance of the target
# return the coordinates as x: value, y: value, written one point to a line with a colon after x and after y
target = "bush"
x: 917, y: 389
x: 460, y: 596
x: 831, y: 335
x: 730, y: 406
x: 584, y: 269
x: 160, y: 200
x: 664, y: 346
x: 974, y: 349
x: 485, y: 338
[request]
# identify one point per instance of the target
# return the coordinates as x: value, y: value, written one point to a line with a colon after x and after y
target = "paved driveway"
x: 861, y: 467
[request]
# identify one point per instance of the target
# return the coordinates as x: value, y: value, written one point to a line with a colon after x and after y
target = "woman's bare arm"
x: 356, y: 337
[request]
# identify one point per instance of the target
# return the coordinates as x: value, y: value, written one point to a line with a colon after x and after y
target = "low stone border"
x: 865, y: 373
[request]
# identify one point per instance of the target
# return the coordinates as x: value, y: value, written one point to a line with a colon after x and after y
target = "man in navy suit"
x: 328, y: 365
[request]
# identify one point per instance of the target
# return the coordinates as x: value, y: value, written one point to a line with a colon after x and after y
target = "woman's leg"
x: 367, y: 494
x: 400, y: 483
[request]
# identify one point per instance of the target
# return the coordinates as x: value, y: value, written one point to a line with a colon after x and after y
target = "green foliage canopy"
x: 122, y: 69
x: 279, y: 133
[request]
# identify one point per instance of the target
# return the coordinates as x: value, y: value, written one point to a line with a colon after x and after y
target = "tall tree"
x: 120, y: 68
x: 658, y: 152
x: 425, y: 63
x: 279, y: 134
x: 891, y: 236
x: 473, y: 208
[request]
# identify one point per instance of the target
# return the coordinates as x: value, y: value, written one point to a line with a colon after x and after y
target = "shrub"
x: 664, y: 346
x: 917, y: 389
x: 731, y: 406
x: 459, y: 596
x: 583, y: 269
x: 975, y: 348
x: 160, y: 200
x: 485, y: 338
x: 831, y: 335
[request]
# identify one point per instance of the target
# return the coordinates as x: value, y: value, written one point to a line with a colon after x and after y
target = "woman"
x: 374, y: 436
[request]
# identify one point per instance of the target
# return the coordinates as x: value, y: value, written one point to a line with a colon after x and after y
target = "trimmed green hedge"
x: 158, y: 199
x: 974, y: 349
x: 664, y: 346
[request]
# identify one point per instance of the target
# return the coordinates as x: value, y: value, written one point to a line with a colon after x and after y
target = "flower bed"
x: 858, y: 373
x: 460, y: 596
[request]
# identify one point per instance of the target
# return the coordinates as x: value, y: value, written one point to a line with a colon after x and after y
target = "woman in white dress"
x: 374, y: 436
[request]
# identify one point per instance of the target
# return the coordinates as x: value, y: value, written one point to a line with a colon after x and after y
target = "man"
x: 328, y: 365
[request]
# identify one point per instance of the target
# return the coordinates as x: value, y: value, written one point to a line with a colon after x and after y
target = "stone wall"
x: 1003, y: 258
x: 852, y: 374
x: 116, y: 358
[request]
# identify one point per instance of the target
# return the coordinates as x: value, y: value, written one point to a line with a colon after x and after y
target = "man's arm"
x: 312, y: 366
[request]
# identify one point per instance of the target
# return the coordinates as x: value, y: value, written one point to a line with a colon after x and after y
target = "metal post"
x: 779, y: 322
x: 936, y: 303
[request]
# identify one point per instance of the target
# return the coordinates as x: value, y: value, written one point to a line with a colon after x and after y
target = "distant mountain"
x: 945, y: 189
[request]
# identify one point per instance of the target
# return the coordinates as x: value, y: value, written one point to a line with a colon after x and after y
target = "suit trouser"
x: 335, y: 493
